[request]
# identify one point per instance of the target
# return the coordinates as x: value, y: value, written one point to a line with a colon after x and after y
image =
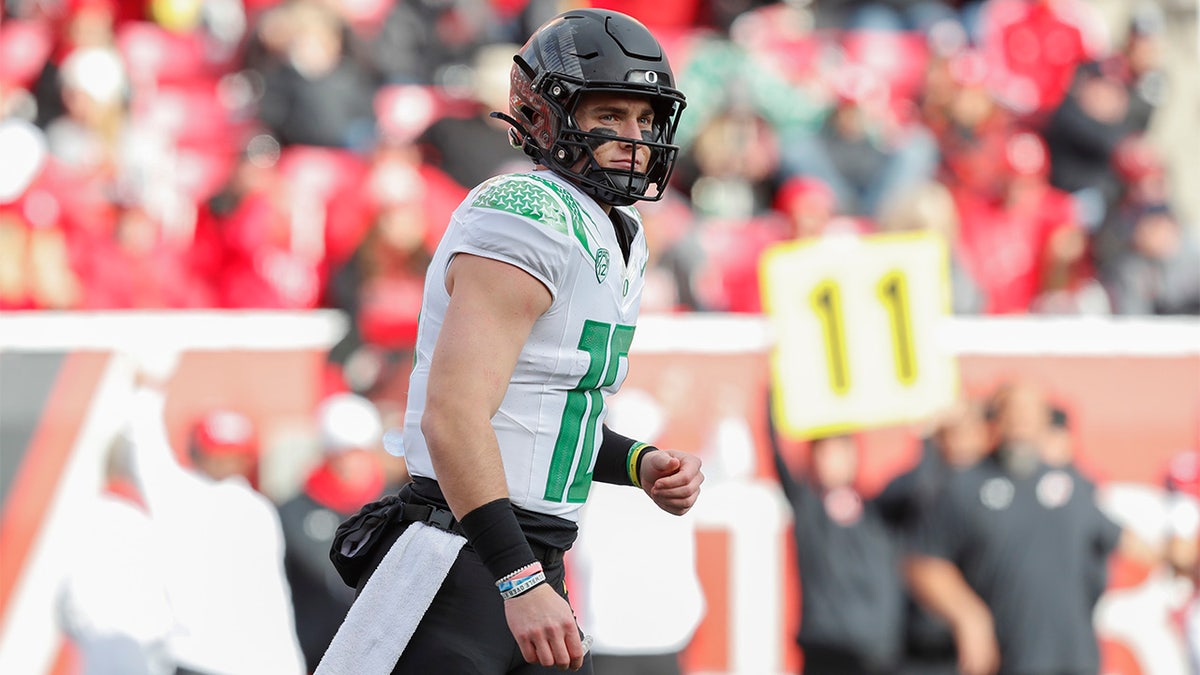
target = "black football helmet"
x: 592, y: 50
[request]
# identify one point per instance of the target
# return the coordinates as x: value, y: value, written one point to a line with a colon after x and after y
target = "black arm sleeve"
x: 612, y: 461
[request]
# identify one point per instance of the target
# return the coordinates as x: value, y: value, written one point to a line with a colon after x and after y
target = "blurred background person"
x: 958, y: 440
x: 861, y: 151
x: 318, y: 93
x: 676, y: 255
x: 79, y: 24
x: 348, y: 475
x: 804, y: 209
x: 113, y: 602
x: 930, y: 208
x: 1035, y: 46
x: 222, y: 543
x: 1021, y: 237
x: 630, y: 637
x: 1110, y: 102
x: 139, y: 267
x: 1158, y: 271
x: 35, y: 262
x: 471, y: 146
x: 1008, y: 553
x: 851, y: 596
x: 434, y: 41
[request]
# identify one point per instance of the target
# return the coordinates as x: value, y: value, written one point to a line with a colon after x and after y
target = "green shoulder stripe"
x: 539, y: 200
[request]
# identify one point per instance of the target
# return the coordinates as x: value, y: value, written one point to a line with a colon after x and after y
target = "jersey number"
x: 605, y: 346
x: 892, y: 292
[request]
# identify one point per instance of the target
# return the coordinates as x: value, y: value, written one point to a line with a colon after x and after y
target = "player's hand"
x: 672, y: 479
x: 978, y: 651
x: 544, y: 626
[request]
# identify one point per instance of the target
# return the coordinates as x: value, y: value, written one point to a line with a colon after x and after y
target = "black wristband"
x: 612, y: 460
x: 639, y: 454
x: 496, y: 536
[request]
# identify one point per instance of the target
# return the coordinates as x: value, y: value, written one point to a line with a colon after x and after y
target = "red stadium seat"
x: 405, y: 111
x: 190, y: 114
x: 777, y: 34
x: 24, y: 47
x: 318, y: 173
x: 154, y: 55
x: 201, y: 174
x: 897, y: 57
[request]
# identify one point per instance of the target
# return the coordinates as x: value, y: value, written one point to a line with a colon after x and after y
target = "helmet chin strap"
x: 513, y: 139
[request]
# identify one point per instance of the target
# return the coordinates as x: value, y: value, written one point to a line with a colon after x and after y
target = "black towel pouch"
x: 355, y: 540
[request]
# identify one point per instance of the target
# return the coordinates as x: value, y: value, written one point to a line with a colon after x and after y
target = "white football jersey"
x: 548, y: 425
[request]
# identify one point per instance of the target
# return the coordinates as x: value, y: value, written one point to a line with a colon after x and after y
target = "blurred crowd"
x: 296, y: 154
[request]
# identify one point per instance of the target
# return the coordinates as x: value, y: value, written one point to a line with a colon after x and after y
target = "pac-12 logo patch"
x: 601, y: 264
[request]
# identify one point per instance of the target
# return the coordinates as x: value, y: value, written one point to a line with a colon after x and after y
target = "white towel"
x: 384, y: 616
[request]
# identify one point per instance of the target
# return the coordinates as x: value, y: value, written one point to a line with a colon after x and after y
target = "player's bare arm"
x: 493, y: 306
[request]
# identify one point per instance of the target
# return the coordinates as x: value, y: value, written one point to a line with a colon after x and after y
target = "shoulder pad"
x: 530, y: 197
x: 540, y: 200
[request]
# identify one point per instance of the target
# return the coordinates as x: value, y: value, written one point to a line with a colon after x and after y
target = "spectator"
x: 270, y: 253
x: 318, y: 95
x: 81, y: 24
x: 221, y: 540
x: 92, y: 133
x: 433, y: 41
x: 860, y: 151
x: 884, y: 15
x: 1159, y: 271
x: 851, y: 598
x: 35, y: 266
x: 676, y: 255
x: 958, y: 104
x: 1034, y: 47
x: 139, y: 268
x: 930, y: 207
x: 1141, y: 62
x: 348, y: 476
x: 804, y: 208
x: 1083, y: 135
x: 958, y: 440
x: 1109, y: 106
x: 1001, y: 554
x: 380, y: 286
x: 473, y: 147
x: 731, y: 170
x: 1020, y: 237
x: 378, y: 271
x: 113, y: 601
